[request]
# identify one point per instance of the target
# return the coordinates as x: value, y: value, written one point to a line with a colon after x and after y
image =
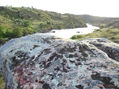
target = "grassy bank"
x: 111, y: 34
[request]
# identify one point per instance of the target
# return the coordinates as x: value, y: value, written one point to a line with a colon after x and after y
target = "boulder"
x: 41, y: 61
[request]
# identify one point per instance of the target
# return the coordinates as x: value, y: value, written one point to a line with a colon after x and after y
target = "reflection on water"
x: 68, y: 33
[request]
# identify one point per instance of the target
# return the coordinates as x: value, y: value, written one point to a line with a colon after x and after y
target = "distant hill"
x: 95, y: 20
x: 114, y: 24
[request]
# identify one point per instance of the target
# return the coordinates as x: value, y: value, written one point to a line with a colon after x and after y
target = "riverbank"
x: 109, y: 33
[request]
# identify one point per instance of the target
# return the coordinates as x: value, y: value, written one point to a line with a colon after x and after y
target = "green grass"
x: 2, y: 84
x: 111, y: 34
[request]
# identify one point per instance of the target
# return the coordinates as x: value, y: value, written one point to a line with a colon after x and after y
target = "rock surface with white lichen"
x: 41, y: 61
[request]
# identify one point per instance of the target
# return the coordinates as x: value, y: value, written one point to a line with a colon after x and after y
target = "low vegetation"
x: 109, y: 33
x: 2, y: 84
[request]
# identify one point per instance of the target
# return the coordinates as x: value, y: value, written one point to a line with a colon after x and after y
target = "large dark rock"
x: 41, y: 61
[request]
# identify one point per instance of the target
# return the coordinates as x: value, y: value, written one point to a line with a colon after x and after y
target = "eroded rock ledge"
x: 41, y: 61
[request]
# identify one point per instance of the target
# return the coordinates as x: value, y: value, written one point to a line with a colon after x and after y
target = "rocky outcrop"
x: 41, y: 61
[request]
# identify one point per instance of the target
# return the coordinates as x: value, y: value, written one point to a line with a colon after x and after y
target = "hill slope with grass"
x: 17, y: 22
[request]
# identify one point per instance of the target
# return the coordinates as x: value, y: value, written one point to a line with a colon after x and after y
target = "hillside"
x: 95, y: 20
x: 17, y: 22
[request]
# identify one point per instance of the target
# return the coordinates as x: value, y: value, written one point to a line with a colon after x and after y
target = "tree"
x: 17, y: 32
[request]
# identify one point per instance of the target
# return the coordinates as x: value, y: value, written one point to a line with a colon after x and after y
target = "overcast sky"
x: 108, y: 8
